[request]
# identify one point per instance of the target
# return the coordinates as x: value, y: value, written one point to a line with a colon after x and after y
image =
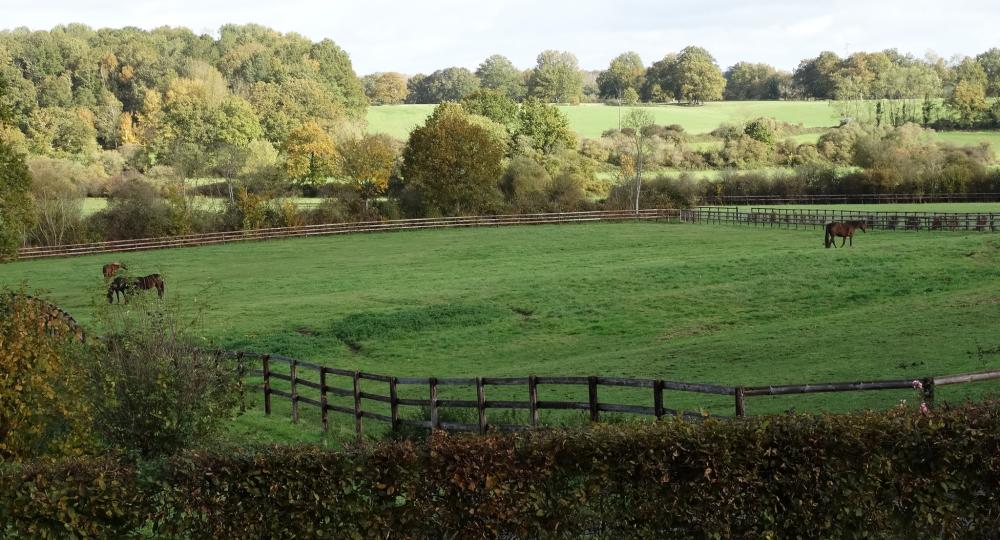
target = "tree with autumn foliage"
x: 369, y: 162
x: 310, y: 154
x: 455, y: 161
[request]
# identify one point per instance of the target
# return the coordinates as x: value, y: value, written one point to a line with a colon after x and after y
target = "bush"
x: 135, y: 210
x: 886, y: 474
x: 42, y: 407
x: 156, y: 393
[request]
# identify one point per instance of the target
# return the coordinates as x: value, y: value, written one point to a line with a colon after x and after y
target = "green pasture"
x: 701, y: 303
x: 592, y: 119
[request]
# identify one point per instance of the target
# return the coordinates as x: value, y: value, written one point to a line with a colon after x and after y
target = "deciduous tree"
x: 625, y: 72
x: 556, y: 78
x: 310, y: 154
x: 499, y: 73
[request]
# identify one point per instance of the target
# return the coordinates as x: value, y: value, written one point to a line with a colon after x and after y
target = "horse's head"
x: 863, y: 225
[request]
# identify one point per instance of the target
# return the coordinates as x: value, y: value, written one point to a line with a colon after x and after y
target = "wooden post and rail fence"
x: 812, y: 218
x: 654, y: 391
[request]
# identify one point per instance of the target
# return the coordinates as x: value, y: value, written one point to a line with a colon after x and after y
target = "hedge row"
x: 872, y: 474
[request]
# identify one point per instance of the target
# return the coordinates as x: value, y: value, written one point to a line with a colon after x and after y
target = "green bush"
x: 894, y: 474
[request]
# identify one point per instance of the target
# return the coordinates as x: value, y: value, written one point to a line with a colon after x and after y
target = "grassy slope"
x: 684, y: 302
x: 591, y: 120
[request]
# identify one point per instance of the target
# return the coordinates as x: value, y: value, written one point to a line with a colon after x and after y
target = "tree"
x: 385, y: 88
x: 454, y: 162
x: 968, y: 100
x: 639, y: 121
x: 625, y: 72
x: 369, y: 162
x: 556, y: 78
x: 815, y: 75
x: 496, y: 106
x: 498, y: 73
x: 449, y: 84
x: 990, y: 62
x: 661, y: 79
x: 748, y: 81
x: 16, y: 213
x: 544, y: 127
x: 310, y: 155
x: 699, y: 79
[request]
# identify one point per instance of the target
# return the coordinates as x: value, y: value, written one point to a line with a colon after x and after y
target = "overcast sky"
x: 424, y: 35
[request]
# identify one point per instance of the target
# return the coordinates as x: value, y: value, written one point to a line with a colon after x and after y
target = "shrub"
x: 155, y: 393
x: 42, y: 407
x: 885, y: 474
x: 135, y: 210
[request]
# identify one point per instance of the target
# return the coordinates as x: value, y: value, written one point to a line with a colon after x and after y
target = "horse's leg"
x: 843, y: 240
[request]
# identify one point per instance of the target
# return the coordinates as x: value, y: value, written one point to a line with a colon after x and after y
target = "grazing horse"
x: 111, y: 269
x: 122, y: 286
x: 843, y: 230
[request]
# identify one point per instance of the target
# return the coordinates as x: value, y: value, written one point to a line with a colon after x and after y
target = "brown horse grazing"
x: 111, y: 269
x: 122, y: 286
x: 843, y: 230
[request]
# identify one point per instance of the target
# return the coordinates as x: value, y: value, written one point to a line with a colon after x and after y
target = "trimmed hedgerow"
x: 871, y: 474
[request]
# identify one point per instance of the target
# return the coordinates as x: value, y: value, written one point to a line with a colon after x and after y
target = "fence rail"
x: 340, y: 228
x: 655, y: 391
x: 817, y: 217
x: 861, y: 198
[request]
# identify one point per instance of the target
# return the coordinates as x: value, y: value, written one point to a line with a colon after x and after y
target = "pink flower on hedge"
x: 918, y: 385
x: 924, y: 410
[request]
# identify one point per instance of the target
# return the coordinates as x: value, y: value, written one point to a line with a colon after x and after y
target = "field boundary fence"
x: 325, y: 382
x: 812, y: 218
x: 69, y: 250
x: 857, y: 198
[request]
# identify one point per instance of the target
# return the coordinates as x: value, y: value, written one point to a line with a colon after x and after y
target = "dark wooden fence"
x: 326, y: 382
x: 858, y: 198
x: 340, y: 228
x: 811, y: 218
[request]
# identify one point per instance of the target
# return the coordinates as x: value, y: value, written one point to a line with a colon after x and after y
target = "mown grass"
x: 703, y: 303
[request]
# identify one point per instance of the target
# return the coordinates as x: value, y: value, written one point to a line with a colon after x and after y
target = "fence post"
x: 533, y: 398
x: 294, y: 371
x: 323, y: 399
x: 435, y: 420
x: 241, y: 368
x: 658, y: 398
x: 394, y: 403
x: 592, y: 394
x: 267, y: 383
x: 481, y: 404
x: 740, y: 405
x: 357, y: 403
x: 928, y: 391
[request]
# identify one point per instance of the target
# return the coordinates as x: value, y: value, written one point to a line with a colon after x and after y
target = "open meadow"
x: 591, y: 120
x: 697, y: 303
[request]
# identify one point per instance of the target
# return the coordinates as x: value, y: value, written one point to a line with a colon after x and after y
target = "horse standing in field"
x: 111, y: 269
x: 843, y: 230
x: 122, y: 286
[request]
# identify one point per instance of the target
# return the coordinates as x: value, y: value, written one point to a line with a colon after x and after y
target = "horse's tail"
x: 160, y: 286
x: 827, y: 235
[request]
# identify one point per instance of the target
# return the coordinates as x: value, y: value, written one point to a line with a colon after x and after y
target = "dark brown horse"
x: 844, y: 230
x: 111, y: 269
x: 122, y: 286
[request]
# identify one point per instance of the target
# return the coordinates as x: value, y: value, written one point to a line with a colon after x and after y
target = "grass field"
x: 915, y: 207
x: 702, y: 303
x: 592, y: 119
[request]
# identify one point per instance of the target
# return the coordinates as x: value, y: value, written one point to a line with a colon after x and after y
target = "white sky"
x: 424, y: 35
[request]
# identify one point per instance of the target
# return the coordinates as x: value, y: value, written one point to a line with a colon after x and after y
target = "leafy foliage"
x: 454, y: 161
x: 924, y: 476
x: 43, y: 410
x: 16, y: 212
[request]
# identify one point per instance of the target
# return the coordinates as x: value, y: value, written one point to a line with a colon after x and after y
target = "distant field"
x: 592, y: 119
x: 714, y: 304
